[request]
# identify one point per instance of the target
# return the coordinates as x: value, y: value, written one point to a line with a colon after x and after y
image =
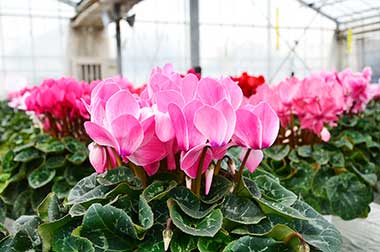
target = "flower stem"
x: 240, y: 172
x: 217, y: 166
x: 198, y: 180
x: 293, y: 137
x: 139, y: 172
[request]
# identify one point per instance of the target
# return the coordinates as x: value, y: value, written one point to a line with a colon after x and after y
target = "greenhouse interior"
x: 189, y: 125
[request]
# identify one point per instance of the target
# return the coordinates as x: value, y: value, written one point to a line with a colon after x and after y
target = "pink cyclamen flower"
x: 114, y: 125
x: 176, y: 115
x: 101, y: 158
x: 256, y: 128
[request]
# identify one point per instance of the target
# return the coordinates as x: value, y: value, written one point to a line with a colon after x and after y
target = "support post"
x: 338, y: 50
x: 194, y: 33
x: 118, y: 40
x: 269, y: 38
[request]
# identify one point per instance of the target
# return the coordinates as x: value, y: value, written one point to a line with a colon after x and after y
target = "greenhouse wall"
x: 231, y: 38
x: 365, y: 52
x: 33, y: 37
x: 235, y: 36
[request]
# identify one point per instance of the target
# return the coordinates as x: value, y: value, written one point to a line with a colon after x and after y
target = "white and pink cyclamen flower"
x: 173, y: 115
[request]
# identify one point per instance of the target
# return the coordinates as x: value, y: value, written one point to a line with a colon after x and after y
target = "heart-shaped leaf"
x: 241, y: 210
x: 118, y: 175
x: 272, y: 190
x: 181, y: 242
x: 348, y: 196
x: 216, y: 243
x: 50, y: 146
x: 189, y: 203
x: 7, y: 163
x: 85, y: 190
x: 207, y: 227
x: 277, y: 152
x: 304, y: 151
x: 27, y: 155
x: 219, y: 188
x: 56, y: 161
x: 158, y: 189
x: 108, y: 228
x: 248, y: 243
x: 40, y: 177
x: 78, y: 157
x: 49, y: 210
x: 72, y: 244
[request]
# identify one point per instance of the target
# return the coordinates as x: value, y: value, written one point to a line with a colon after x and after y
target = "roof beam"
x: 361, y: 12
x: 68, y: 2
x: 360, y: 19
x: 318, y: 10
x: 332, y: 3
x: 361, y: 26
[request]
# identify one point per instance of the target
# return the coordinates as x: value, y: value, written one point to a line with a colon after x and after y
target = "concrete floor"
x: 361, y: 235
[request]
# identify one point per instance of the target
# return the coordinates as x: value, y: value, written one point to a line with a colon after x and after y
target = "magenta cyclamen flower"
x: 57, y: 103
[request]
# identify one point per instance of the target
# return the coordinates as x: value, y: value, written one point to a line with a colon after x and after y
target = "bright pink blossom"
x: 256, y: 128
x: 177, y: 115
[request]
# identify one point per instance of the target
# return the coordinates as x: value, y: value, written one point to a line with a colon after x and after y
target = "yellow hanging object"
x: 349, y: 41
x: 277, y: 28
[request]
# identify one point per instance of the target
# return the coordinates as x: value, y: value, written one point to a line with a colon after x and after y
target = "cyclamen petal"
x: 121, y: 103
x: 189, y: 87
x: 248, y: 129
x: 152, y: 169
x: 210, y: 91
x: 112, y: 157
x: 190, y: 160
x: 195, y: 137
x: 97, y: 112
x: 100, y: 135
x: 212, y: 124
x: 151, y: 150
x: 98, y: 157
x: 270, y: 123
x: 254, y: 159
x: 209, y: 174
x: 230, y: 115
x: 164, y: 128
x: 104, y: 90
x: 235, y: 92
x: 164, y: 98
x: 179, y: 125
x: 129, y: 134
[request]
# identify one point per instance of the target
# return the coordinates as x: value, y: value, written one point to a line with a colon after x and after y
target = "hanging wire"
x: 292, y: 48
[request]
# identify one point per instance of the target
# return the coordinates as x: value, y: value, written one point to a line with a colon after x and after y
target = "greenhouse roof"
x: 347, y: 13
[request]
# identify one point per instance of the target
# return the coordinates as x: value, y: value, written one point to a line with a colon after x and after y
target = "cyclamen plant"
x: 315, y: 103
x: 308, y: 160
x: 57, y: 104
x: 187, y: 123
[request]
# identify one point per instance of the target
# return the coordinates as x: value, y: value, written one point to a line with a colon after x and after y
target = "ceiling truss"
x: 352, y: 19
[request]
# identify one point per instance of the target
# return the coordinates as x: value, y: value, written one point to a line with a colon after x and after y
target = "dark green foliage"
x: 116, y: 215
x: 34, y: 164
